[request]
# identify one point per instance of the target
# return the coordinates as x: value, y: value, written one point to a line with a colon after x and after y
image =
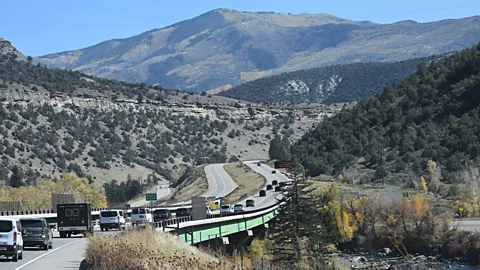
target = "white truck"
x: 112, y: 219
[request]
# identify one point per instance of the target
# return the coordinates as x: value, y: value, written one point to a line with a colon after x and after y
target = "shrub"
x: 147, y: 249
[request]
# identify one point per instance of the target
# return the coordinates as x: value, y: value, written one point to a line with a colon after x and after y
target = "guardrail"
x: 213, y: 218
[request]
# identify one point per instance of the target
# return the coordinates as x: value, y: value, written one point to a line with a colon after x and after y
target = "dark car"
x: 273, y: 171
x: 262, y: 193
x: 274, y: 182
x: 182, y: 212
x: 282, y: 184
x: 161, y: 214
x: 250, y: 203
x: 38, y: 233
x: 269, y: 187
x: 278, y: 188
x: 259, y: 164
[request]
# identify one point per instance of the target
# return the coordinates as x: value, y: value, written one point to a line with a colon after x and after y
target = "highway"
x: 67, y: 253
x: 162, y: 191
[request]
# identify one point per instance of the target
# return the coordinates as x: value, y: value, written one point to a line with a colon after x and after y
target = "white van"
x: 226, y: 209
x: 110, y: 219
x: 11, y: 238
x: 141, y: 215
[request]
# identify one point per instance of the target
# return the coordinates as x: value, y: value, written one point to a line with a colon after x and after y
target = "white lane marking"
x: 43, y: 255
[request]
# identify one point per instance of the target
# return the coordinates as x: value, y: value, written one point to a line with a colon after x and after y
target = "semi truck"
x: 74, y: 219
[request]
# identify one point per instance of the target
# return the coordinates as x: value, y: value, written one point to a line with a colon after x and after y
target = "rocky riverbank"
x: 386, y: 259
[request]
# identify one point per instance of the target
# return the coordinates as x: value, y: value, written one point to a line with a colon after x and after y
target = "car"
x: 238, y: 208
x: 278, y: 188
x: 38, y: 233
x: 282, y: 184
x: 226, y: 209
x: 259, y: 164
x: 112, y: 219
x: 11, y: 234
x: 274, y: 182
x: 269, y: 187
x: 250, y: 203
x: 161, y: 214
x: 182, y: 212
x: 262, y: 193
x: 273, y: 171
x: 141, y: 215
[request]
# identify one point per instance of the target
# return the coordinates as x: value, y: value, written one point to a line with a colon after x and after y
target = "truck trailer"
x: 74, y: 219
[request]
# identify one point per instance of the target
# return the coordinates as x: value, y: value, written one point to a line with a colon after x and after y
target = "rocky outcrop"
x: 219, y: 112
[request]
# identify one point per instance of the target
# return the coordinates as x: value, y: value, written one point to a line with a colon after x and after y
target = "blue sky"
x: 48, y: 26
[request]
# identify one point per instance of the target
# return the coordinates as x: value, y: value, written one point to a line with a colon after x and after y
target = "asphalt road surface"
x: 67, y: 253
x: 220, y: 183
x: 162, y: 191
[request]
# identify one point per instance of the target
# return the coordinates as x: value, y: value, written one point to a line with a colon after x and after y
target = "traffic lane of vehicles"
x: 271, y: 194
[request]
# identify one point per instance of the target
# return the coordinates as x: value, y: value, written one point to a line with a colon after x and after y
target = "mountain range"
x: 224, y: 48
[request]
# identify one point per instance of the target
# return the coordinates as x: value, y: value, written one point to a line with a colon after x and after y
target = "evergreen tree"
x: 279, y: 148
x: 16, y: 179
x: 297, y: 222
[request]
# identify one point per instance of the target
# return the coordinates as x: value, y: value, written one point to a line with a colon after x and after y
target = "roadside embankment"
x: 249, y: 182
x: 148, y: 249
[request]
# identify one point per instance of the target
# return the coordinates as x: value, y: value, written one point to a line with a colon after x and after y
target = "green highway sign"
x: 151, y: 196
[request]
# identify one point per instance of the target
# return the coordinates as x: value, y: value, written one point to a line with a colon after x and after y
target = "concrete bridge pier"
x: 241, y: 240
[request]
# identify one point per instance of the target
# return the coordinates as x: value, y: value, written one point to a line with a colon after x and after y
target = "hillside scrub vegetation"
x: 39, y: 195
x: 331, y: 84
x: 433, y: 114
x: 56, y: 121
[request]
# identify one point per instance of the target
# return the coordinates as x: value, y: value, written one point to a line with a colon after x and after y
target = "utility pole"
x: 360, y: 138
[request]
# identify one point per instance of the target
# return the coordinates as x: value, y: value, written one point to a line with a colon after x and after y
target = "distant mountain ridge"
x: 224, y: 48
x: 332, y: 84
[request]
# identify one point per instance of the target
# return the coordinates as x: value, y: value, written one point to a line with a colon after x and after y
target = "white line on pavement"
x: 43, y: 255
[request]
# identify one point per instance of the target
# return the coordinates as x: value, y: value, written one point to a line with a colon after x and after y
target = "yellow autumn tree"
x: 420, y: 207
x: 38, y: 197
x: 423, y: 184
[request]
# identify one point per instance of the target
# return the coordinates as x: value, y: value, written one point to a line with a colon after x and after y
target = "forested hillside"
x: 332, y: 84
x: 54, y: 121
x: 433, y: 114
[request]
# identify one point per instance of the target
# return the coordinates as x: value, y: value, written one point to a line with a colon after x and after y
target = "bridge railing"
x: 187, y: 221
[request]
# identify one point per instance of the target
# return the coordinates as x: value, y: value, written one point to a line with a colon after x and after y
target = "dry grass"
x: 248, y: 181
x: 148, y: 249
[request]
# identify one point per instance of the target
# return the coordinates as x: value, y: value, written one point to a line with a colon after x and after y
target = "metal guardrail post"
x: 192, y: 231
x: 178, y: 229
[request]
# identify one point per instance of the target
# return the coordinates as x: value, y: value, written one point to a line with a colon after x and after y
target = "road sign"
x: 282, y: 164
x: 151, y: 196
